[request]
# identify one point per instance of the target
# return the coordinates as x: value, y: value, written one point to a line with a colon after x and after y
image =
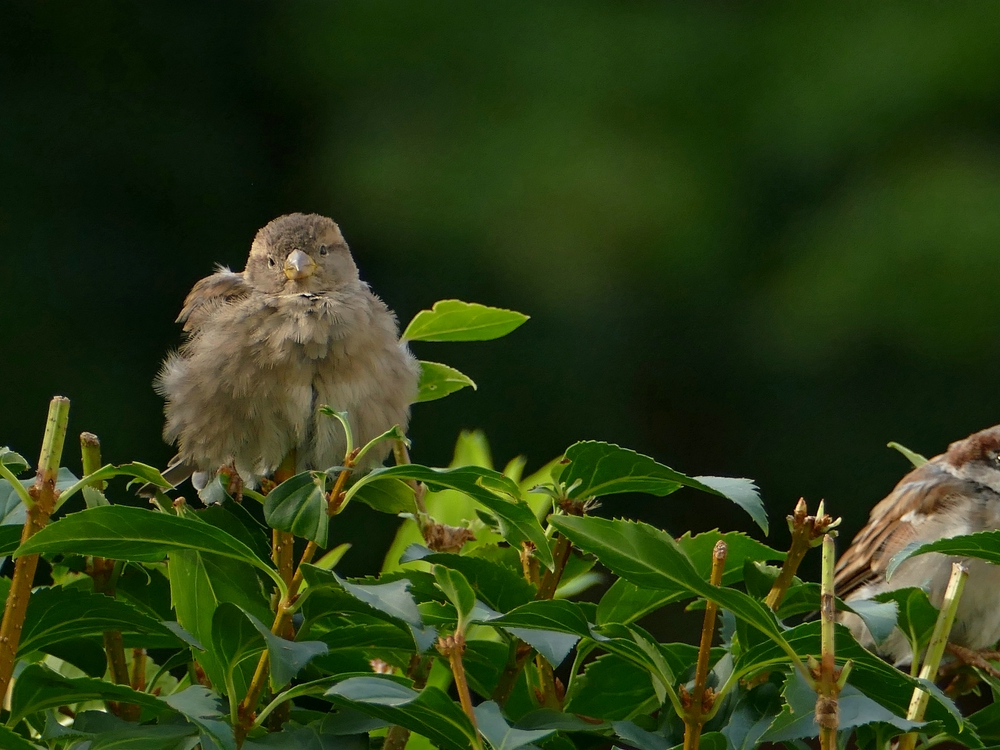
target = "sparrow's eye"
x: 270, y: 262
x: 323, y: 250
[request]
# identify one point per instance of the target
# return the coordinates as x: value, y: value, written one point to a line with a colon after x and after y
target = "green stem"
x: 935, y: 649
x: 827, y: 708
x: 44, y: 494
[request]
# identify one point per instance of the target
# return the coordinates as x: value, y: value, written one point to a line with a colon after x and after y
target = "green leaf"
x: 438, y: 381
x: 484, y: 661
x: 141, y: 472
x: 10, y: 539
x: 387, y: 496
x: 122, y: 533
x: 912, y: 456
x: 648, y: 557
x: 200, y: 584
x: 754, y: 712
x: 916, y: 614
x: 558, y: 615
x: 454, y: 320
x: 38, y: 688
x: 12, y: 509
x: 317, y: 735
x: 497, y: 493
x: 611, y: 688
x: 154, y: 737
x: 430, y: 712
x: 393, y: 600
x: 11, y: 741
x: 987, y: 722
x: 879, y: 617
x: 299, y: 505
x: 237, y: 521
x: 458, y: 591
x: 625, y: 602
x: 203, y: 708
x: 15, y: 462
x: 638, y: 737
x: 597, y: 469
x: 287, y: 658
x: 56, y: 615
x: 878, y: 680
x: 551, y: 627
x: 984, y: 545
x: 367, y: 637
x: 493, y: 583
x: 640, y: 648
x: 797, y: 719
x: 237, y: 645
x: 500, y: 734
x: 86, y: 654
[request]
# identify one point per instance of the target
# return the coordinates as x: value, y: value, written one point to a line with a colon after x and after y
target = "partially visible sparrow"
x: 266, y: 347
x: 955, y: 493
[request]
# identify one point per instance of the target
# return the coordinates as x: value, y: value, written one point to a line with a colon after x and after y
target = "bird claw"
x: 977, y: 659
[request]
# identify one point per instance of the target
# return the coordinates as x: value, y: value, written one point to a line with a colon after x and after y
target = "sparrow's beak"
x: 298, y: 265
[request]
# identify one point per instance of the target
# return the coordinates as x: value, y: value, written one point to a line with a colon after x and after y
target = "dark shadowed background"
x: 757, y: 241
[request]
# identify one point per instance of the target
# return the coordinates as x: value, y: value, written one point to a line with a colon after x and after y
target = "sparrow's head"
x: 300, y: 253
x: 977, y: 457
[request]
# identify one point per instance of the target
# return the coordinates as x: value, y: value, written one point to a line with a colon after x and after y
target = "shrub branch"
x: 701, y: 700
x: 44, y: 495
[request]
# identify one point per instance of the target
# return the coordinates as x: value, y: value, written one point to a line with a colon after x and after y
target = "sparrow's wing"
x: 220, y: 288
x: 896, y: 521
x: 176, y: 472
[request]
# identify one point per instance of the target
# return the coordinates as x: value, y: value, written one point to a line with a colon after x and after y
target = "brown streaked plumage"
x: 266, y: 347
x: 955, y: 493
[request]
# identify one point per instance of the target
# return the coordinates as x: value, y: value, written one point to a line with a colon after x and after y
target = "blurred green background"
x: 756, y: 240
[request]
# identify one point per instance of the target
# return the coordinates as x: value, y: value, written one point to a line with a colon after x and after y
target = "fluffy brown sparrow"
x: 955, y: 493
x: 266, y: 347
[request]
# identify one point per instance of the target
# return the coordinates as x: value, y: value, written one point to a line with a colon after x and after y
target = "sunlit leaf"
x: 454, y: 320
x: 438, y: 381
x: 912, y: 456
x: 387, y: 496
